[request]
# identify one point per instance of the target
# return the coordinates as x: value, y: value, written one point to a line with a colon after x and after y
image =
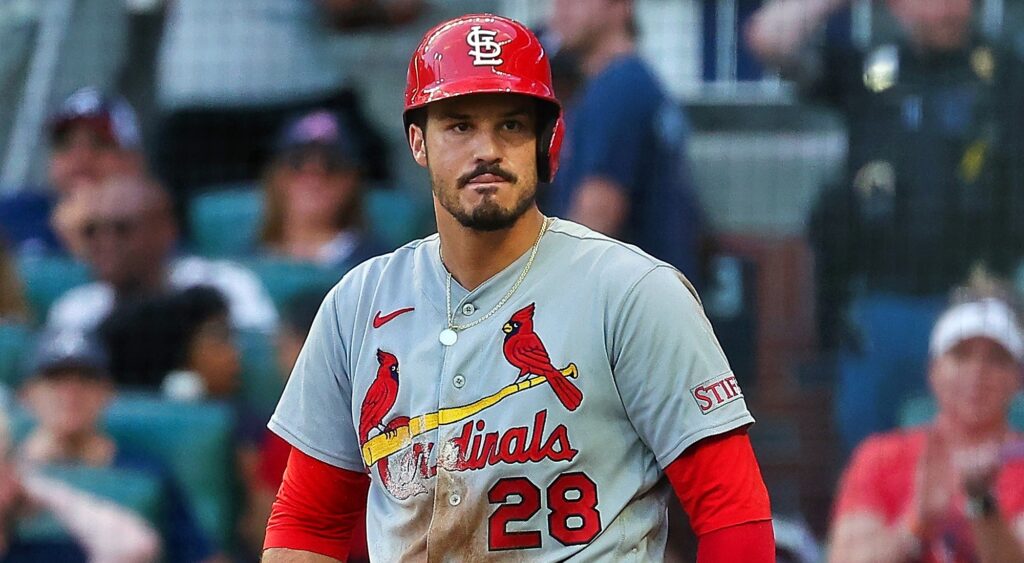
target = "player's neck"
x: 474, y: 256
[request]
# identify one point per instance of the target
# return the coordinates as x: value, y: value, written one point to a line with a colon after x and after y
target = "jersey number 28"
x: 572, y: 501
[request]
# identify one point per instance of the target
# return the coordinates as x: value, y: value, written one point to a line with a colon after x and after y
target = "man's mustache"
x: 482, y: 169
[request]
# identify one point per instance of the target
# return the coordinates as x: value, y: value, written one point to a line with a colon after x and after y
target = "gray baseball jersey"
x: 542, y: 432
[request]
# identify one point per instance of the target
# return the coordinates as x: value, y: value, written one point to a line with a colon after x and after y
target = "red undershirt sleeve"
x: 719, y: 484
x: 752, y: 542
x: 317, y: 507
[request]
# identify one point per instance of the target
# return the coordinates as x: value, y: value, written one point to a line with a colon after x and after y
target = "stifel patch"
x: 716, y: 392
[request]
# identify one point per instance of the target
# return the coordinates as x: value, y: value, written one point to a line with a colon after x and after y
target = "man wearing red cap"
x: 516, y: 386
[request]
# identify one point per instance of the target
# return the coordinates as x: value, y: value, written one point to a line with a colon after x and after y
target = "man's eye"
x: 460, y: 127
x: 513, y: 126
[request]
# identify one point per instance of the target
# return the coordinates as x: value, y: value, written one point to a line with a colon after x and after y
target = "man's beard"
x: 488, y: 215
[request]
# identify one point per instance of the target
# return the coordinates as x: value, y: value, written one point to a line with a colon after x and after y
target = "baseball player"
x: 516, y: 386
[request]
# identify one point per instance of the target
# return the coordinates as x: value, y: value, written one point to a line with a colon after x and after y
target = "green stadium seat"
x: 16, y: 342
x: 921, y: 410
x: 394, y: 216
x: 194, y: 440
x: 135, y: 490
x: 226, y: 221
x: 262, y: 383
x: 46, y: 278
x: 284, y: 278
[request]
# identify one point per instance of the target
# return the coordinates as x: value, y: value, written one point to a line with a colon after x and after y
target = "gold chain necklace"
x: 449, y: 335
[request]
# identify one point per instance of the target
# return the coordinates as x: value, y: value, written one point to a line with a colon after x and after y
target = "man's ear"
x: 418, y: 144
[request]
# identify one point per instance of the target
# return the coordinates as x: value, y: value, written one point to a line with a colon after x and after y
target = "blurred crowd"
x: 155, y: 292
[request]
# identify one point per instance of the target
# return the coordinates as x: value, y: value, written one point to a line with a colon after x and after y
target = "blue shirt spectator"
x: 623, y: 168
x: 624, y: 128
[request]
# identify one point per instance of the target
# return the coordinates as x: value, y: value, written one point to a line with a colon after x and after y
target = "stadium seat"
x: 394, y: 216
x: 135, y: 490
x: 261, y: 382
x: 195, y: 441
x: 920, y: 410
x: 284, y: 279
x: 225, y: 220
x: 46, y: 278
x: 15, y: 344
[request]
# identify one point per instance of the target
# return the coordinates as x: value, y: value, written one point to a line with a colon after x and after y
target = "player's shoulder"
x: 619, y: 266
x: 611, y: 256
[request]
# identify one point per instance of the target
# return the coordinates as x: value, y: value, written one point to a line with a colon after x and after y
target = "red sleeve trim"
x: 719, y: 484
x: 753, y: 542
x: 317, y: 507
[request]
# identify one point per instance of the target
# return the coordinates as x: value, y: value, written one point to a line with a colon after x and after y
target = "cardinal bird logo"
x: 380, y: 397
x: 524, y: 350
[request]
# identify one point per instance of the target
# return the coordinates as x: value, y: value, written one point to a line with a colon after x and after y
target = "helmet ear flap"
x: 549, y: 147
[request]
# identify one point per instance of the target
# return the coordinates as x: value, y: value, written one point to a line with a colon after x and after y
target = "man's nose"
x: 487, y: 147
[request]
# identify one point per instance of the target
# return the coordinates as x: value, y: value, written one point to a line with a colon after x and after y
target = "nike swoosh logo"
x: 379, y: 321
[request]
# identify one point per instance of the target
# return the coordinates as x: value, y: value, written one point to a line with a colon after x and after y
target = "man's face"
x: 974, y: 383
x: 316, y: 185
x: 213, y: 354
x: 126, y: 234
x: 82, y: 157
x: 581, y: 23
x: 481, y: 151
x: 68, y: 402
x: 939, y: 25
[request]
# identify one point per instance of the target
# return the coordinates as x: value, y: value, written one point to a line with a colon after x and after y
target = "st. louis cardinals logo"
x: 523, y: 349
x: 485, y: 49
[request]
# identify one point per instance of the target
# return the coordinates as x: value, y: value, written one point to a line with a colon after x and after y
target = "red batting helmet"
x: 484, y: 53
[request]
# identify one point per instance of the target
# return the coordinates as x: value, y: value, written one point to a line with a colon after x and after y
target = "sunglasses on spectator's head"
x: 331, y: 160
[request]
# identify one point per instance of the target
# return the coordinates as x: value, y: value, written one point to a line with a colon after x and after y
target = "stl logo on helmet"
x: 486, y: 51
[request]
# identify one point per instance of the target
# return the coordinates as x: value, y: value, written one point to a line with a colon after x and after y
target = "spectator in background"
x: 623, y: 170
x: 952, y: 490
x: 263, y: 483
x: 99, y: 530
x: 314, y: 191
x: 13, y: 307
x: 93, y: 136
x: 129, y: 236
x: 231, y: 72
x: 180, y: 344
x: 67, y: 391
x: 917, y: 209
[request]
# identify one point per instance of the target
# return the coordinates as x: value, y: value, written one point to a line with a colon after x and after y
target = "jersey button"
x: 458, y: 381
x: 454, y: 499
x: 468, y: 309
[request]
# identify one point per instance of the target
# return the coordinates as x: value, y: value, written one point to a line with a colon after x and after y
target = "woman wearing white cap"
x: 952, y: 490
